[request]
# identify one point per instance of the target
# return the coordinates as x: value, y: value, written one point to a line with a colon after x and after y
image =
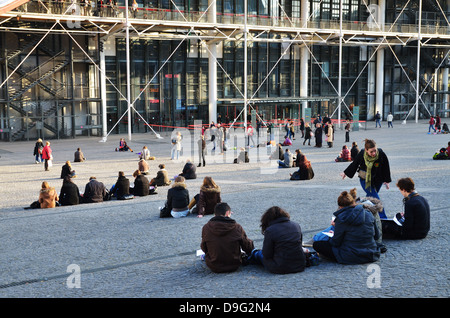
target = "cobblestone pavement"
x: 123, y: 249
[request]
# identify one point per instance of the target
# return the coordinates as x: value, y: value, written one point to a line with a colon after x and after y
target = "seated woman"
x: 47, y: 196
x: 69, y: 194
x: 145, y: 154
x: 189, y: 170
x: 243, y: 157
x: 207, y: 199
x: 162, y: 178
x: 305, y: 171
x: 141, y: 184
x: 66, y: 170
x: 143, y: 166
x: 287, y: 142
x: 282, y: 250
x: 178, y: 199
x: 355, y: 232
x: 123, y: 146
x: 344, y: 155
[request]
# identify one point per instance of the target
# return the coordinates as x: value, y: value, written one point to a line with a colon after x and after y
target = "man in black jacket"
x: 122, y: 187
x: 414, y: 222
x: 94, y: 191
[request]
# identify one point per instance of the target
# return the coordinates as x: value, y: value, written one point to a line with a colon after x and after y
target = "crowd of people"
x: 355, y: 235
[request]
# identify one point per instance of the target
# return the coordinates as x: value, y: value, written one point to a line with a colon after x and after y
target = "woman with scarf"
x: 373, y: 170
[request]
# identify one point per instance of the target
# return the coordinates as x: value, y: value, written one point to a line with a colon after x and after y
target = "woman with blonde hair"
x: 207, y: 199
x: 354, y: 235
x: 47, y: 196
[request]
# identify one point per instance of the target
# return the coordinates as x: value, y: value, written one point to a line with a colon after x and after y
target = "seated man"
x: 94, y: 191
x: 288, y: 160
x: 79, y: 156
x: 415, y: 220
x: 222, y: 240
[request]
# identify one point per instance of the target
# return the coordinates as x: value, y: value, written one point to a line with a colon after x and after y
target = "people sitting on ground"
x: 354, y: 237
x: 66, y: 170
x: 278, y: 153
x: 344, y: 155
x: 204, y: 202
x: 162, y: 177
x: 445, y: 129
x: 123, y: 146
x: 143, y: 166
x: 222, y: 241
x: 282, y: 250
x: 287, y: 142
x: 189, y: 170
x: 354, y: 151
x: 242, y: 157
x: 414, y: 222
x: 288, y: 160
x: 177, y: 200
x: 94, y: 191
x: 47, y: 196
x: 298, y: 153
x: 79, y: 156
x: 141, y: 184
x: 121, y: 189
x: 145, y: 154
x: 69, y: 194
x: 442, y: 154
x: 305, y: 170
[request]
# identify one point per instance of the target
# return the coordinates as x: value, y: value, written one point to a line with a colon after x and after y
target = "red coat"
x: 47, y: 152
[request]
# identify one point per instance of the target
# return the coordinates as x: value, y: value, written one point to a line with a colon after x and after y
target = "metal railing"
x: 79, y: 8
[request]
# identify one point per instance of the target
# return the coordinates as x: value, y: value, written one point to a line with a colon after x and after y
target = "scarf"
x: 369, y: 161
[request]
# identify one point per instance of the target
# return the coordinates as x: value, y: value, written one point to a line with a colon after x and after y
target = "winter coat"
x: 37, y: 146
x: 94, y: 192
x: 78, y: 156
x: 282, y: 247
x: 162, y: 178
x: 318, y: 135
x: 380, y: 170
x: 141, y: 186
x: 189, y: 171
x: 122, y: 187
x: 308, y: 131
x: 222, y: 241
x: 354, y: 236
x: 66, y: 171
x: 208, y: 198
x: 69, y: 194
x: 48, y: 198
x: 47, y: 153
x: 417, y: 217
x: 177, y: 197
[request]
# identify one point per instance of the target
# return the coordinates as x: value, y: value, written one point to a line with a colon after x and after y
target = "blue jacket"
x: 354, y: 236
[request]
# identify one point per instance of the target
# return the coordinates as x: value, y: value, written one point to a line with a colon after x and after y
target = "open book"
x: 399, y: 219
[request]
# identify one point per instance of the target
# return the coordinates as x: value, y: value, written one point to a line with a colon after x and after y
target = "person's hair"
x: 47, y: 143
x: 161, y: 166
x: 406, y: 184
x: 221, y: 209
x: 449, y: 143
x: 45, y: 185
x: 344, y: 146
x: 369, y: 143
x: 179, y: 179
x: 92, y: 178
x: 271, y: 214
x: 345, y: 199
x: 354, y: 143
x: 78, y: 149
x: 39, y: 140
x: 121, y: 174
x: 68, y: 163
x: 353, y: 193
x: 136, y: 173
x: 208, y: 182
x: 67, y: 179
x: 303, y: 162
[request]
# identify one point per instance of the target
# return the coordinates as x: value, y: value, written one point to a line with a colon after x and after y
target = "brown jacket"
x: 222, y: 240
x: 48, y: 198
x: 208, y: 199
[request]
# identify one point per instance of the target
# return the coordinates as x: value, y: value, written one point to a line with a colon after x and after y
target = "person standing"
x: 330, y: 135
x: 249, y: 134
x: 415, y: 220
x: 282, y: 251
x: 377, y: 119
x: 38, y: 147
x: 431, y: 125
x: 222, y: 241
x: 176, y: 146
x: 47, y: 156
x: 308, y: 136
x: 201, y: 150
x: 373, y: 169
x: 302, y: 127
x: 347, y: 131
x: 318, y: 136
x: 438, y: 124
x: 389, y: 119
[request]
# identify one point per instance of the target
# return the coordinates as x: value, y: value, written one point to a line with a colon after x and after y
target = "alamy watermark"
x: 74, y: 279
x: 374, y: 278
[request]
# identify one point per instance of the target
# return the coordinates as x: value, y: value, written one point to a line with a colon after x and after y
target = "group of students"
x: 435, y: 124
x: 354, y: 237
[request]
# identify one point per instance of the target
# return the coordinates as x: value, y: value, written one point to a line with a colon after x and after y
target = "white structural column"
x: 304, y: 57
x: 212, y: 67
x: 379, y: 87
x: 103, y: 92
x: 445, y: 97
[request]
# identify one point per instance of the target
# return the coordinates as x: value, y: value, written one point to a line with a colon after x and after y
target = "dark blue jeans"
x: 372, y: 191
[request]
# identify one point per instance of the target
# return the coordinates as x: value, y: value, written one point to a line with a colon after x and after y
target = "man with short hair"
x: 414, y: 222
x: 222, y: 241
x: 94, y: 191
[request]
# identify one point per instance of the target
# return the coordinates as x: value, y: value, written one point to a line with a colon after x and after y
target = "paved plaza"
x: 123, y: 249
